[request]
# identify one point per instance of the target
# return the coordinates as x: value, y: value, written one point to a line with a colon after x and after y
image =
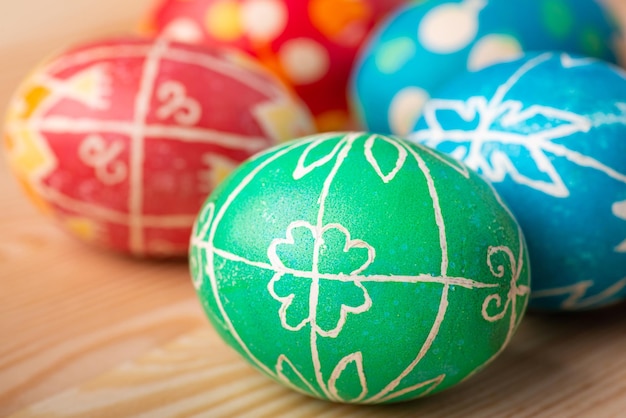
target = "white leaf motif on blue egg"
x: 495, y: 124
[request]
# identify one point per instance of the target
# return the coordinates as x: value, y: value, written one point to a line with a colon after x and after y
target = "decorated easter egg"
x: 311, y: 44
x: 549, y: 130
x: 425, y: 44
x: 361, y: 268
x: 122, y: 140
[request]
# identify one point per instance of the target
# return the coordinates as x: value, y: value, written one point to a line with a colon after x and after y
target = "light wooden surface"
x: 84, y: 333
x: 566, y: 366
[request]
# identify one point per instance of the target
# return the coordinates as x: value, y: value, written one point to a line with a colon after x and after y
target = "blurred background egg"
x: 310, y: 44
x: 549, y: 130
x: 424, y: 44
x: 385, y: 286
x: 122, y: 140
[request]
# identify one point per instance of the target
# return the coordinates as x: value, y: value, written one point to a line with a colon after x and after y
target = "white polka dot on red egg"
x: 304, y: 60
x: 184, y: 30
x: 264, y: 20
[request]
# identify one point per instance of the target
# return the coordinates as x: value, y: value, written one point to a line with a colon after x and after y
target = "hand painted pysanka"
x: 360, y: 268
x: 425, y: 44
x: 122, y: 140
x: 549, y: 131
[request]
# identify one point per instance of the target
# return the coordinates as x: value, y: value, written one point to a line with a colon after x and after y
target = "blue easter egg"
x: 424, y: 44
x: 549, y: 131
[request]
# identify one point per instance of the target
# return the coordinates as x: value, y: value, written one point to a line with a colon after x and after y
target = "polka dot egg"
x: 310, y: 44
x: 426, y: 43
x: 382, y: 287
x: 549, y: 131
x: 122, y: 140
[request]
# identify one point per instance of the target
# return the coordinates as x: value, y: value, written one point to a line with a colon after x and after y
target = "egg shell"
x: 310, y: 44
x: 360, y: 268
x: 425, y: 44
x: 122, y: 140
x: 549, y: 130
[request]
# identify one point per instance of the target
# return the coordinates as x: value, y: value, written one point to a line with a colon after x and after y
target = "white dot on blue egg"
x: 491, y: 49
x: 450, y: 27
x: 405, y: 108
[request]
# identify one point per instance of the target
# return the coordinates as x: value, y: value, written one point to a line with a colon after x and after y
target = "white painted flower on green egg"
x: 360, y: 268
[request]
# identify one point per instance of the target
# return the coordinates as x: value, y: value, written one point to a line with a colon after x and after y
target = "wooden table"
x: 86, y: 333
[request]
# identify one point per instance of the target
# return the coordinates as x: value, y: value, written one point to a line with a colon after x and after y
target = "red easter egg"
x: 122, y: 140
x: 311, y: 44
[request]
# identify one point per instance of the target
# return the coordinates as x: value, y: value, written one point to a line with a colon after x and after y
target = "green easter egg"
x: 360, y: 268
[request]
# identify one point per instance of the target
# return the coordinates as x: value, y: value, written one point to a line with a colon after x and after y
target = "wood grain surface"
x: 82, y: 332
x: 556, y: 366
